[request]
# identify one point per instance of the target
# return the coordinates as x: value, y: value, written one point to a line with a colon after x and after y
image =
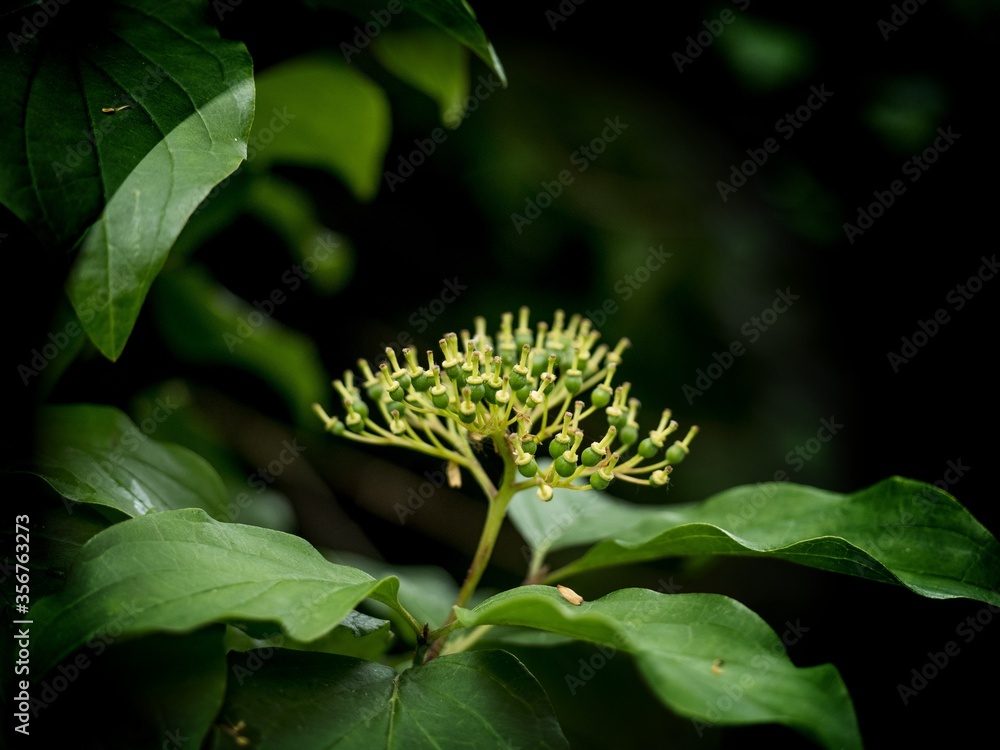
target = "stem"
x: 498, y: 501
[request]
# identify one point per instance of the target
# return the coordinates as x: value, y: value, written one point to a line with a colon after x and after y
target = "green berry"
x: 528, y: 469
x: 616, y: 418
x: 557, y: 447
x: 360, y: 407
x: 564, y: 467
x: 601, y: 396
x: 439, y: 397
x: 518, y: 378
x: 598, y: 481
x: 573, y: 380
x: 530, y: 444
x: 648, y: 449
x: 677, y: 452
x: 591, y: 456
x: 422, y: 382
x: 628, y: 434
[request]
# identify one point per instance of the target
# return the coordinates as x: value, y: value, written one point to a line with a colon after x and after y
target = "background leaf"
x: 321, y: 112
x: 96, y: 454
x: 484, y: 699
x: 677, y: 639
x: 899, y: 530
x: 136, y: 174
x: 457, y: 18
x: 207, y: 323
x: 432, y: 62
x: 180, y: 570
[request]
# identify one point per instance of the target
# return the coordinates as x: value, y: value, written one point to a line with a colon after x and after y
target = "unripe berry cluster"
x: 524, y: 390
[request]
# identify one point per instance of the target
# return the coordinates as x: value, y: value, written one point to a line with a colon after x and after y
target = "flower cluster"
x: 522, y: 389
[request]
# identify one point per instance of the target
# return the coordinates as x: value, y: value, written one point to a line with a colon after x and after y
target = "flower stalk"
x: 516, y: 391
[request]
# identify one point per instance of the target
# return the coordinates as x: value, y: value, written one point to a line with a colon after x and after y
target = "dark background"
x: 825, y: 358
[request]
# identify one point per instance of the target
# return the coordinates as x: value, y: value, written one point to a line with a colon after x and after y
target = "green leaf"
x: 96, y: 454
x: 897, y: 531
x: 677, y: 639
x: 135, y: 175
x: 457, y: 18
x: 177, y: 571
x: 481, y: 699
x: 431, y: 62
x: 358, y: 635
x: 321, y: 112
x: 206, y: 323
x: 175, y: 685
x: 325, y: 256
x: 426, y: 591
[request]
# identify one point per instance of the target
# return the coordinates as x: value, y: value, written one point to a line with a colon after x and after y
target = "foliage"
x: 129, y: 149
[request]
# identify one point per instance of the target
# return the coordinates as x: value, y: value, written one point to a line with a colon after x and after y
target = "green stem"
x: 498, y: 500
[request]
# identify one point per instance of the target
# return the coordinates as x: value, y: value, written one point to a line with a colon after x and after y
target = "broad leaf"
x: 174, y: 685
x: 432, y: 62
x: 457, y: 18
x: 704, y: 655
x: 135, y: 174
x: 453, y: 16
x: 484, y: 699
x: 180, y: 570
x: 321, y: 112
x: 206, y: 323
x: 358, y: 635
x: 96, y: 454
x: 897, y: 531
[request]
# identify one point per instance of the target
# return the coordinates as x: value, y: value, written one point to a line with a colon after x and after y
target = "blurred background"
x: 711, y: 156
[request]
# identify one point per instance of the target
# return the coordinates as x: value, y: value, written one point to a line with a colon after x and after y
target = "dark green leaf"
x: 321, y: 112
x: 174, y: 685
x: 180, y: 570
x: 204, y: 322
x: 483, y: 699
x: 96, y: 454
x: 677, y: 639
x: 135, y: 175
x: 457, y: 18
x: 432, y: 62
x: 898, y: 531
x: 358, y: 635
